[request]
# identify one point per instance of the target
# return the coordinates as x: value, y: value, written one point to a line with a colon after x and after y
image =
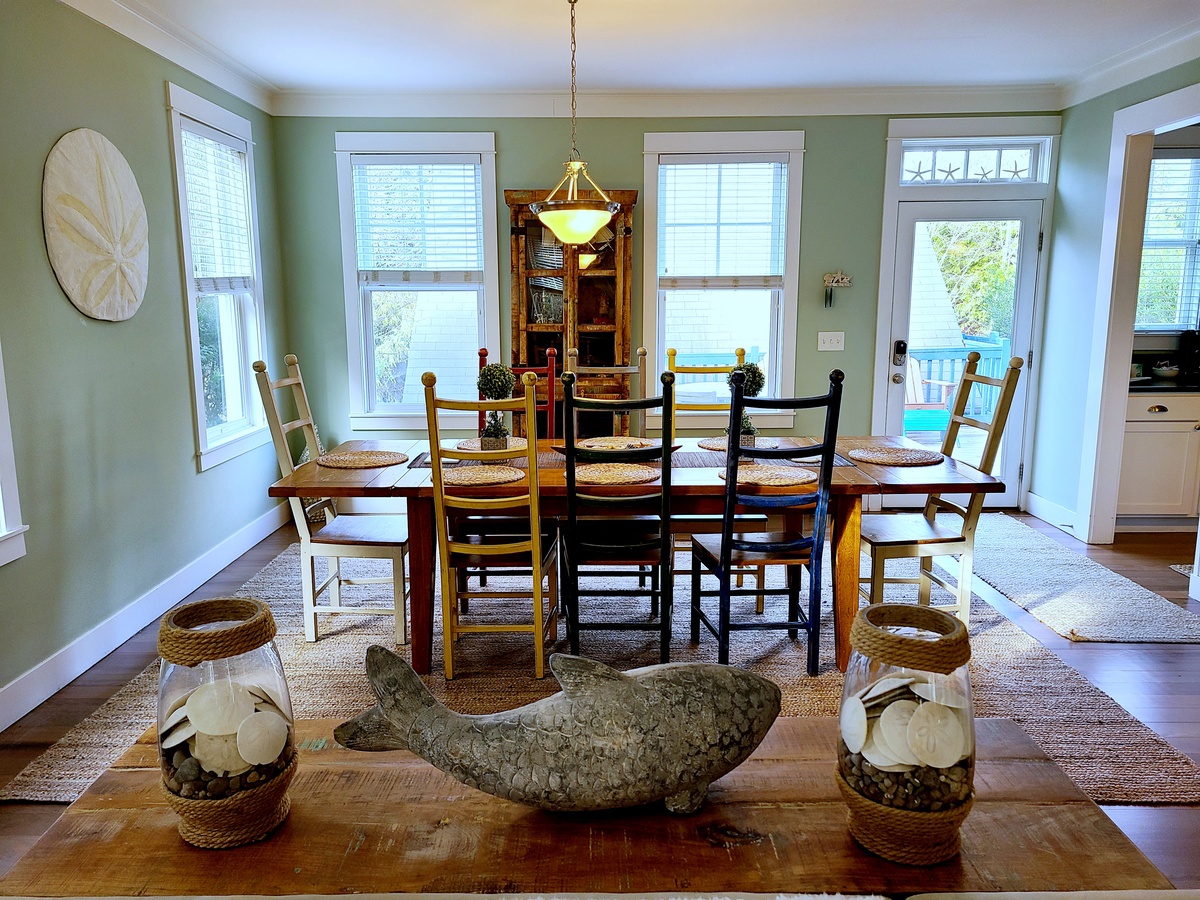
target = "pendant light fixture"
x: 573, y: 219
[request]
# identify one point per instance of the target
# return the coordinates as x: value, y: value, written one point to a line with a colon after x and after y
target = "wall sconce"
x: 834, y: 280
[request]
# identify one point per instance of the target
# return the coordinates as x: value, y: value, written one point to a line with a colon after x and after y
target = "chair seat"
x: 906, y: 528
x: 708, y: 548
x: 363, y: 529
x: 501, y: 560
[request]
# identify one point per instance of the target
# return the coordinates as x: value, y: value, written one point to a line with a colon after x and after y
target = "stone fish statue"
x: 608, y: 739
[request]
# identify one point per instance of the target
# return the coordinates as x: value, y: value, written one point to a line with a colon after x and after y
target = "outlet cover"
x: 831, y: 340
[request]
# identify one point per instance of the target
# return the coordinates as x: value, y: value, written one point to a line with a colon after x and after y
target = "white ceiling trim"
x: 1141, y: 62
x: 204, y: 62
x: 830, y: 102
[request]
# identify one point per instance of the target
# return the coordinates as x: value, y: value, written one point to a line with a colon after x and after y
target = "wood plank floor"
x: 1138, y: 676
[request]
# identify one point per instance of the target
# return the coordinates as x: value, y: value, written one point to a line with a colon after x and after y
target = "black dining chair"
x: 616, y: 522
x: 761, y: 487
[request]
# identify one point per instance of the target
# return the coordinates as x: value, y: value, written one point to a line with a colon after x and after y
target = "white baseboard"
x: 1051, y: 513
x: 27, y: 691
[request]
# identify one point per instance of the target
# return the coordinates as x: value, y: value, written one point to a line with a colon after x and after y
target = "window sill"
x: 232, y: 447
x: 12, y: 544
x: 411, y: 421
x: 708, y: 421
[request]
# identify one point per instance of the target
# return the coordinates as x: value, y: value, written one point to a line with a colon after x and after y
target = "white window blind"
x: 722, y: 221
x: 1169, y: 284
x: 418, y: 222
x: 218, y: 211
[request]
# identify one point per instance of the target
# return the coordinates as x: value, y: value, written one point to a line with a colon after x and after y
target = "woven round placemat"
x: 722, y: 443
x: 774, y: 475
x: 616, y: 442
x: 472, y: 475
x: 514, y: 443
x: 896, y: 456
x: 362, y: 459
x: 615, y: 473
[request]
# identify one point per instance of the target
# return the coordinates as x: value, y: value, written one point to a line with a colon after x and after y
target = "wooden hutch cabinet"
x: 561, y: 298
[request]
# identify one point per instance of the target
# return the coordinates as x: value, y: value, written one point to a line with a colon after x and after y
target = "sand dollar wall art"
x: 95, y: 222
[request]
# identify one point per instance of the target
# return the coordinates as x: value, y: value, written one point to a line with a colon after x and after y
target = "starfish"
x: 1015, y: 172
x: 919, y: 174
x: 949, y: 173
x: 983, y: 173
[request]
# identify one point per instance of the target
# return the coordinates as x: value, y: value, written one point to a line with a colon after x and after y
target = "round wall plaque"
x: 95, y: 222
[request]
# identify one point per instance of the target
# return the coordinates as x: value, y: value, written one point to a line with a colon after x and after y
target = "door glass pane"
x: 963, y: 295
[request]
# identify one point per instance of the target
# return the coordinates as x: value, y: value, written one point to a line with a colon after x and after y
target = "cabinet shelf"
x: 582, y: 295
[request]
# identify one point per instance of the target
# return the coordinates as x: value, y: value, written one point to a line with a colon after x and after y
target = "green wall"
x: 102, y: 412
x: 1074, y: 260
x: 841, y: 222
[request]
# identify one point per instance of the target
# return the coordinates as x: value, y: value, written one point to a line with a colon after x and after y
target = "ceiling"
x: 631, y: 48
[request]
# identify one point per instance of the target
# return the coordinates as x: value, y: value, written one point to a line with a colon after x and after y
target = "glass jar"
x: 906, y: 737
x: 226, y: 736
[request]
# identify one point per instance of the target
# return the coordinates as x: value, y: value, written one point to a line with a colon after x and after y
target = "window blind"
x: 1169, y: 283
x: 218, y: 207
x: 721, y: 223
x: 418, y: 222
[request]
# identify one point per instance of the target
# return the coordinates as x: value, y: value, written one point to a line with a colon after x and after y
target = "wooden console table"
x: 379, y: 822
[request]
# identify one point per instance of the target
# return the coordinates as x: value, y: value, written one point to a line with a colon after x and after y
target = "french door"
x: 965, y: 279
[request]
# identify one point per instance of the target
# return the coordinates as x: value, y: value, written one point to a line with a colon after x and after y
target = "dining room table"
x: 696, y: 488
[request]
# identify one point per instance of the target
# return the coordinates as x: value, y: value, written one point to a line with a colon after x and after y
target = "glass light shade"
x: 586, y: 260
x: 574, y: 221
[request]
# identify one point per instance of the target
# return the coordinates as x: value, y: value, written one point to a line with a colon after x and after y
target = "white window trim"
x: 184, y: 104
x: 12, y: 538
x: 347, y: 143
x: 663, y: 143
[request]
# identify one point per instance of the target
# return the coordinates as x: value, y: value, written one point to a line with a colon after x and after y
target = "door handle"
x: 1156, y: 408
x: 899, y: 352
x: 899, y: 379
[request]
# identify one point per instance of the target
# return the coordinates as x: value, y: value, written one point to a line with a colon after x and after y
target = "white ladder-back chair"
x: 343, y: 535
x: 921, y: 535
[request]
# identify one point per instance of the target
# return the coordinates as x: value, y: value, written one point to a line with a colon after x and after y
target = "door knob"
x: 897, y: 378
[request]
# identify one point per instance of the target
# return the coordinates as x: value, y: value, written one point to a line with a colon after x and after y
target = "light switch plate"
x: 831, y: 340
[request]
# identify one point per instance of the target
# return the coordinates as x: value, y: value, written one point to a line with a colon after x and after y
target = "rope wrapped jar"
x: 225, y: 729
x: 906, y: 748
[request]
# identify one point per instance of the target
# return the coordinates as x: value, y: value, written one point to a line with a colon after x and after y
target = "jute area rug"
x: 1109, y: 754
x: 1182, y: 568
x: 1077, y: 597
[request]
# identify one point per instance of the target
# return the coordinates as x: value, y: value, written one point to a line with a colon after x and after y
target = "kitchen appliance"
x: 1188, y: 357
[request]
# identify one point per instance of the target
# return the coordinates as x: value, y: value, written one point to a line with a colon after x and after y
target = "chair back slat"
x: 630, y: 422
x: 673, y: 365
x: 547, y: 373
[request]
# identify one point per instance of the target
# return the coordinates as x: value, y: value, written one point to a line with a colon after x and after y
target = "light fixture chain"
x: 574, y: 148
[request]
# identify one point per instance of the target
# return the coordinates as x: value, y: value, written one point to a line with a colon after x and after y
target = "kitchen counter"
x: 1160, y: 386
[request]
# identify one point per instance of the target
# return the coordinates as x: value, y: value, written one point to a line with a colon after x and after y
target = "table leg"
x: 846, y: 541
x: 421, y: 558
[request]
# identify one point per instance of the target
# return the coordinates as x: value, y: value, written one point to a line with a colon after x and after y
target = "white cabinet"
x: 1160, y: 462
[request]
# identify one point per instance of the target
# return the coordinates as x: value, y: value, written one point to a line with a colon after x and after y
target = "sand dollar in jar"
x: 906, y: 748
x: 225, y: 729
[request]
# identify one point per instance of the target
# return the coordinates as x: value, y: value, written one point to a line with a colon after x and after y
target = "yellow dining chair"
x: 343, y: 535
x: 522, y: 546
x: 922, y: 535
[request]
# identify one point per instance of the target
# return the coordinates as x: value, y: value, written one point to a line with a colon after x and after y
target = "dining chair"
x: 686, y: 526
x: 547, y: 373
x: 754, y: 486
x: 324, y: 531
x: 612, y: 523
x: 625, y: 421
x: 924, y: 535
x: 522, y: 547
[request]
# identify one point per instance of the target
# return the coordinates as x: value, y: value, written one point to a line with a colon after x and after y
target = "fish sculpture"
x: 608, y: 739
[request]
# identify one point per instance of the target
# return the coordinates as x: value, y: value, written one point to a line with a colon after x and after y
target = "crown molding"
x: 681, y: 104
x: 141, y: 26
x: 1172, y: 49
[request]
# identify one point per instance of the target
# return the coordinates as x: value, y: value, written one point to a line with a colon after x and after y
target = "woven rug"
x: 1076, y: 596
x: 1109, y: 754
x: 1182, y: 568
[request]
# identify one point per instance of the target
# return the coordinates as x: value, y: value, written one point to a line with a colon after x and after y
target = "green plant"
x: 496, y: 382
x: 754, y: 383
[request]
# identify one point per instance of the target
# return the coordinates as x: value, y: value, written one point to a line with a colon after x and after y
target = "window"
x: 975, y: 161
x: 1169, y: 283
x: 214, y: 170
x: 12, y: 532
x: 723, y: 226
x: 419, y: 254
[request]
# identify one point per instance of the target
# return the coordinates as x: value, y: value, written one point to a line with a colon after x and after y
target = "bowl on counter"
x: 1165, y: 371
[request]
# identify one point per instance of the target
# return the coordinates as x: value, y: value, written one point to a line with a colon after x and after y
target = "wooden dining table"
x: 695, y: 489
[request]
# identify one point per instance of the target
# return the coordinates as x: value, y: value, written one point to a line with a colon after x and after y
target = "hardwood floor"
x: 1157, y: 683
